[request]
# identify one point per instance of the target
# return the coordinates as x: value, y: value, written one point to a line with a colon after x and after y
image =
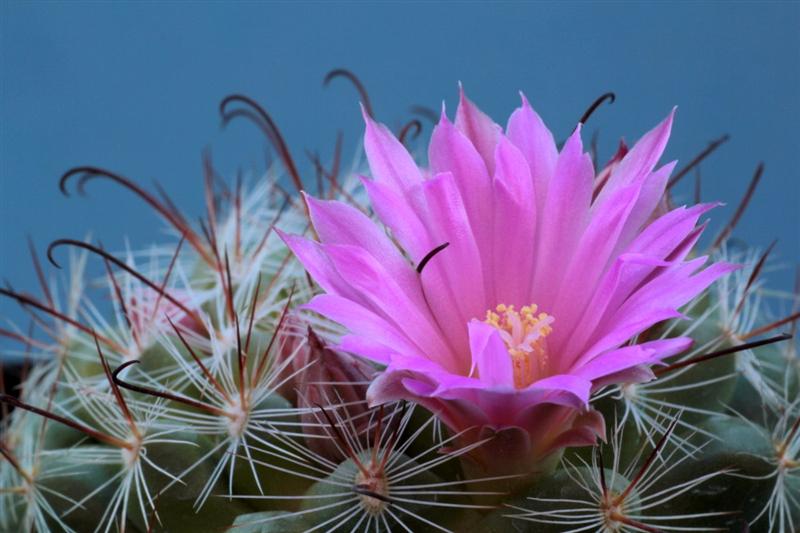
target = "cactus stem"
x: 616, y: 516
x: 602, y: 471
x: 373, y: 490
x: 263, y: 242
x: 261, y: 368
x: 607, y: 506
x: 385, y: 485
x: 252, y: 315
x: 779, y: 510
x: 241, y: 357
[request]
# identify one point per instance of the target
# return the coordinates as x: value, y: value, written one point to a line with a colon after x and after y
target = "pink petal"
x: 656, y: 301
x: 631, y: 364
x: 650, y: 195
x: 339, y: 223
x: 389, y: 160
x: 664, y: 234
x: 573, y: 390
x: 363, y: 322
x: 615, y: 361
x: 572, y: 346
x: 394, y: 210
x: 585, y: 430
x: 590, y: 260
x: 453, y: 280
x: 640, y: 160
x: 368, y: 348
x: 386, y: 298
x: 386, y: 387
x: 317, y: 264
x: 489, y: 355
x: 478, y: 128
x: 514, y: 225
x: 665, y: 348
x: 567, y: 202
x: 660, y: 241
x: 527, y: 131
x: 450, y: 151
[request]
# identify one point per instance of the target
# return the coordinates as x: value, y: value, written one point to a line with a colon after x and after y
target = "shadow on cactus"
x: 446, y: 345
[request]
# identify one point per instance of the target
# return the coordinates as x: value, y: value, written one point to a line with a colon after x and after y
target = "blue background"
x: 134, y: 88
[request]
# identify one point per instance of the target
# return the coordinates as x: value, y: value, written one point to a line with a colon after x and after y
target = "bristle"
x: 352, y: 78
x: 609, y: 97
x: 711, y: 148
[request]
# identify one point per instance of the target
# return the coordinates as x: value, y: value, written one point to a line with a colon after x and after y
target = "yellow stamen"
x: 524, y: 334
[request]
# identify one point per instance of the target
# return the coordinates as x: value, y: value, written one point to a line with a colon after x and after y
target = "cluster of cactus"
x: 207, y: 399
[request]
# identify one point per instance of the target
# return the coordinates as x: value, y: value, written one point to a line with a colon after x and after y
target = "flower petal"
x: 490, y: 355
x: 514, y: 226
x: 453, y: 280
x: 339, y: 223
x: 365, y: 323
x: 389, y: 160
x: 452, y: 152
x: 395, y: 211
x: 527, y: 131
x: 478, y: 128
x: 640, y: 160
x: 563, y: 220
x: 387, y: 299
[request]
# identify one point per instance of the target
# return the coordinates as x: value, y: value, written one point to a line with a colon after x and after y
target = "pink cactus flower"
x: 547, y: 274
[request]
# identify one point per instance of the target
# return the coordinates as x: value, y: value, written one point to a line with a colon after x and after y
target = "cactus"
x: 211, y: 398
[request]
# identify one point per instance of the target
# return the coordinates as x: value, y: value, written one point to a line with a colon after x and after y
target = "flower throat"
x: 523, y: 333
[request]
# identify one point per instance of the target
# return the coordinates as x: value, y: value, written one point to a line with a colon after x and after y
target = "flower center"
x: 524, y: 334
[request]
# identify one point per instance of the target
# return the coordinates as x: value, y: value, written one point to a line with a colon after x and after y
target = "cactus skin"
x: 711, y: 444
